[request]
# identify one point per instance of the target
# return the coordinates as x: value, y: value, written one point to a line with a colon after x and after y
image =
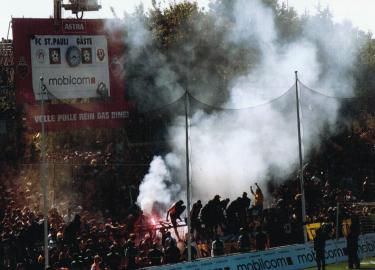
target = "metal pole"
x: 337, y: 228
x: 188, y: 182
x: 57, y: 9
x: 10, y: 22
x: 302, y: 183
x: 43, y: 176
x: 337, y: 220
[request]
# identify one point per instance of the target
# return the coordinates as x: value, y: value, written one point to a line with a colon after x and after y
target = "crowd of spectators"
x: 108, y: 231
x: 91, y: 172
x: 87, y: 240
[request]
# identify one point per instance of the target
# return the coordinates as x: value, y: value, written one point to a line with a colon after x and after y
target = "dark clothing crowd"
x: 108, y: 232
x: 87, y: 240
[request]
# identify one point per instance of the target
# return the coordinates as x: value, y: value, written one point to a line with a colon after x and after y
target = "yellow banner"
x: 346, y: 226
x: 311, y: 230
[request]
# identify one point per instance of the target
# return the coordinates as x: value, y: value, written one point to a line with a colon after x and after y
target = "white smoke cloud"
x: 232, y: 149
x: 158, y: 185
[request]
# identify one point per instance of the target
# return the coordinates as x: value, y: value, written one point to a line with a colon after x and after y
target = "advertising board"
x: 284, y: 258
x: 72, y: 60
x: 72, y: 66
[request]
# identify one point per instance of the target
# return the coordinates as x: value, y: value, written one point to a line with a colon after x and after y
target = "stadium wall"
x: 287, y: 258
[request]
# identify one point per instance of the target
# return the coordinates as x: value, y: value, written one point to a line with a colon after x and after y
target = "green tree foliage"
x: 183, y: 47
x: 288, y: 23
x: 365, y: 86
x: 189, y: 51
x: 175, y: 24
x: 366, y: 69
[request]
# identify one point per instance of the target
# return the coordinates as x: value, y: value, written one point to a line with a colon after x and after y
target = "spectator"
x: 211, y: 215
x: 169, y: 239
x: 155, y: 255
x: 72, y: 230
x: 172, y: 253
x: 261, y: 239
x: 319, y: 247
x: 113, y: 258
x: 352, y: 244
x: 217, y: 247
x: 96, y: 264
x: 244, y: 243
x: 20, y: 266
x: 131, y: 254
x: 194, y: 252
x: 232, y: 222
x: 367, y: 190
x: 175, y: 212
x: 258, y: 198
x: 243, y: 209
x: 194, y: 216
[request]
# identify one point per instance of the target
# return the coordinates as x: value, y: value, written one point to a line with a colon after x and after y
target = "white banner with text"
x: 72, y: 66
x: 284, y: 258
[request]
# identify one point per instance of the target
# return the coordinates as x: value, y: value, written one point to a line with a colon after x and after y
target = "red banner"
x: 73, y: 116
x: 77, y: 59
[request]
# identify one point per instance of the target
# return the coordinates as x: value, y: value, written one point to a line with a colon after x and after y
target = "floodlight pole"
x: 43, y: 174
x: 188, y: 182
x: 337, y: 220
x: 57, y: 9
x: 302, y: 182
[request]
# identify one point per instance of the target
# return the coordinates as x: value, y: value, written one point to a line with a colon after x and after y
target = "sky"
x: 359, y: 12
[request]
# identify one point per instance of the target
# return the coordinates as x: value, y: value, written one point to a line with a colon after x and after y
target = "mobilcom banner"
x: 72, y: 66
x: 287, y: 258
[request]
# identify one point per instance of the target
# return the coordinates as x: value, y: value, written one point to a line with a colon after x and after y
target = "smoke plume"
x: 158, y: 185
x: 254, y: 135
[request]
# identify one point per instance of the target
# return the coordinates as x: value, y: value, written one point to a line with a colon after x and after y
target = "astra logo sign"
x: 73, y: 27
x: 264, y: 264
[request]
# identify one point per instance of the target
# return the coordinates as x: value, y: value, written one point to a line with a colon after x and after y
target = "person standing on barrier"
x: 352, y: 244
x: 194, y: 216
x: 175, y: 212
x: 319, y: 247
x: 258, y: 199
